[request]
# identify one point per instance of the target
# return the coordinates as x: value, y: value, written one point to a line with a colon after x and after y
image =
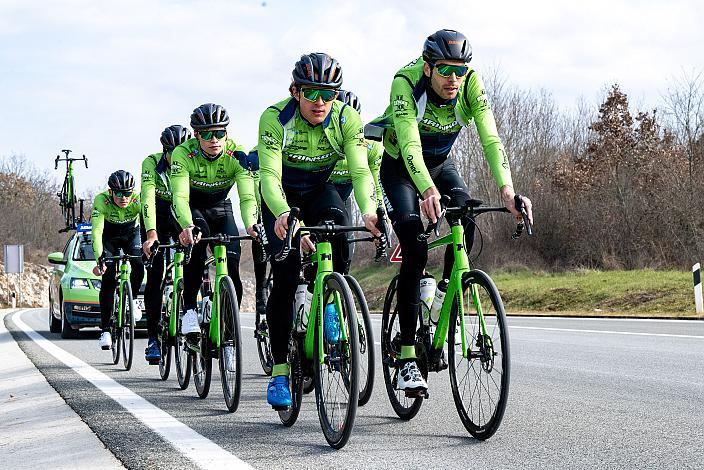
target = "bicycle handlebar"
x: 67, y: 159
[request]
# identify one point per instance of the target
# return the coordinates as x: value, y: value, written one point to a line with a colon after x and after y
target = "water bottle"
x: 299, y: 301
x: 204, y: 313
x: 167, y: 297
x: 427, y: 292
x: 437, y: 301
x: 303, y: 324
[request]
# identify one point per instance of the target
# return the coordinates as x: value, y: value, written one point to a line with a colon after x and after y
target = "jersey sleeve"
x: 148, y: 191
x: 245, y: 190
x: 355, y: 148
x: 270, y: 149
x: 480, y: 111
x: 406, y: 127
x: 180, y: 186
x: 375, y: 150
x: 97, y: 222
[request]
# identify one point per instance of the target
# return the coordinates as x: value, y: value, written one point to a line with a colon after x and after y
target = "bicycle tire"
x: 366, y: 342
x: 182, y: 357
x: 203, y: 363
x: 261, y: 333
x: 346, y: 366
x: 165, y: 349
x: 289, y: 416
x: 405, y: 408
x: 484, y: 363
x: 230, y: 340
x: 115, y: 330
x: 127, y: 326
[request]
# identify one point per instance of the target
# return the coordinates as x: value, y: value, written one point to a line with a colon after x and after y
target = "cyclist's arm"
x: 356, y: 153
x: 488, y: 135
x: 148, y: 194
x: 245, y: 190
x: 270, y: 162
x: 406, y: 126
x: 180, y: 186
x: 97, y: 222
x: 374, y: 153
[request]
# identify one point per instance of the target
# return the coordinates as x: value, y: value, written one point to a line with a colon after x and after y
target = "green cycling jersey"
x: 421, y: 128
x: 297, y: 156
x: 105, y: 210
x: 341, y: 174
x: 204, y: 182
x: 155, y: 185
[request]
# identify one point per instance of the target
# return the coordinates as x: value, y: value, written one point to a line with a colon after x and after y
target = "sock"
x: 279, y: 370
x: 408, y: 352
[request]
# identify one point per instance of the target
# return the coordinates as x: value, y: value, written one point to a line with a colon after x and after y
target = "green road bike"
x: 333, y: 363
x: 67, y: 196
x: 220, y: 336
x: 171, y: 342
x: 122, y: 319
x: 473, y: 322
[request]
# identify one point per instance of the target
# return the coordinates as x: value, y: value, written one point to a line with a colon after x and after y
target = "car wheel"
x: 67, y: 331
x: 54, y: 323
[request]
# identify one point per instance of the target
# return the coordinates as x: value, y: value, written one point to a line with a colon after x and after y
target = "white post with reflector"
x: 698, y: 300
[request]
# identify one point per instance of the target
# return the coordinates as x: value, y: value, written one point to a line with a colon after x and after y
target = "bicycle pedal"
x: 417, y: 394
x: 153, y: 362
x: 280, y: 408
x: 105, y: 348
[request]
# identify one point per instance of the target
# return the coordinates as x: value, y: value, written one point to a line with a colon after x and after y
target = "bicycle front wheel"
x: 337, y: 375
x: 230, y: 345
x: 479, y: 374
x: 366, y: 342
x: 290, y: 415
x: 405, y: 407
x: 115, y: 329
x: 182, y: 357
x: 127, y: 326
x: 165, y: 341
x: 203, y: 363
x: 261, y: 333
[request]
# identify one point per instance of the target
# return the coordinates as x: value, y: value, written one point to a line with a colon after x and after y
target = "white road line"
x: 631, y: 333
x: 201, y: 450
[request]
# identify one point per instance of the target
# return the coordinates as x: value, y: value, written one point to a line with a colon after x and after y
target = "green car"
x: 73, y: 288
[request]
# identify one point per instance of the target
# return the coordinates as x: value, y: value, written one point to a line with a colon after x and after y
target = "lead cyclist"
x: 432, y: 99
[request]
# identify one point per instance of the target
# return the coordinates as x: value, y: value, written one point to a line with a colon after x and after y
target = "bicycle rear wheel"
x: 366, y: 342
x: 182, y: 356
x: 203, y: 363
x: 261, y: 333
x: 164, y: 340
x: 230, y: 344
x: 290, y: 415
x: 115, y: 330
x: 127, y: 326
x: 405, y: 407
x: 480, y: 378
x: 337, y: 378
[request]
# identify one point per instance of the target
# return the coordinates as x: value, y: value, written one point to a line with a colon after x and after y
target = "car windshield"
x: 84, y: 249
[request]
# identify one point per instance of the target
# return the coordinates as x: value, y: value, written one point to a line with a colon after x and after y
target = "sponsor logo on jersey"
x: 207, y: 184
x: 438, y: 126
x: 400, y: 104
x: 308, y: 159
x: 268, y: 138
x: 193, y: 154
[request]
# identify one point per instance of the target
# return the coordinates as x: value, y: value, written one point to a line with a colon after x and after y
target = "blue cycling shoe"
x: 278, y: 394
x: 152, y: 354
x: 331, y: 324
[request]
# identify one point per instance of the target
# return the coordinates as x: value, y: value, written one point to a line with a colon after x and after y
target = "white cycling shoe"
x: 410, y: 378
x: 189, y: 322
x: 105, y: 341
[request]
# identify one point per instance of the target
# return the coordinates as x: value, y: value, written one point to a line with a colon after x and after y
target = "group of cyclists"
x: 313, y: 153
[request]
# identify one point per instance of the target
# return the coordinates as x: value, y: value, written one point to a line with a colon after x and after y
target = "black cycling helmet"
x: 318, y: 70
x: 446, y: 44
x: 174, y: 136
x: 350, y: 98
x: 209, y: 115
x: 121, y: 180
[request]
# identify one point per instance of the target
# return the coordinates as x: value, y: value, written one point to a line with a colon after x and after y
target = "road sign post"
x: 14, y: 263
x: 698, y: 300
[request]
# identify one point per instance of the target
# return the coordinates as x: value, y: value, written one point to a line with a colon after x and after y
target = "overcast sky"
x: 104, y: 78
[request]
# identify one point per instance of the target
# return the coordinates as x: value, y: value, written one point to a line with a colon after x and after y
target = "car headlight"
x: 79, y: 283
x: 96, y: 283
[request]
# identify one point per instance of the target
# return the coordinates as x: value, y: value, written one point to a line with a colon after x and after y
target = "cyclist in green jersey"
x: 432, y: 99
x: 341, y: 178
x: 158, y: 223
x: 115, y: 225
x: 203, y: 170
x: 300, y: 140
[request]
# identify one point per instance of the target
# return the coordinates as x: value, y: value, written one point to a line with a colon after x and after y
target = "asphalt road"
x: 585, y: 393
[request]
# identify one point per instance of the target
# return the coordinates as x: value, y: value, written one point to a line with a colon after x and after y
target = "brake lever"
x: 435, y: 226
x: 292, y: 221
x: 261, y: 233
x: 154, y: 250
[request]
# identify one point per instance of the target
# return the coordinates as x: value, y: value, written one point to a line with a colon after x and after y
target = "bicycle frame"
x: 454, y: 289
x: 179, y: 257
x: 123, y: 276
x: 220, y: 256
x: 323, y: 259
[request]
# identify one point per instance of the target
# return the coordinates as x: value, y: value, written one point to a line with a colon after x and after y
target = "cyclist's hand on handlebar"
x: 430, y: 205
x: 370, y: 222
x: 281, y: 225
x: 507, y: 195
x: 147, y: 245
x: 253, y: 233
x: 99, y: 269
x: 186, y: 236
x: 307, y: 244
